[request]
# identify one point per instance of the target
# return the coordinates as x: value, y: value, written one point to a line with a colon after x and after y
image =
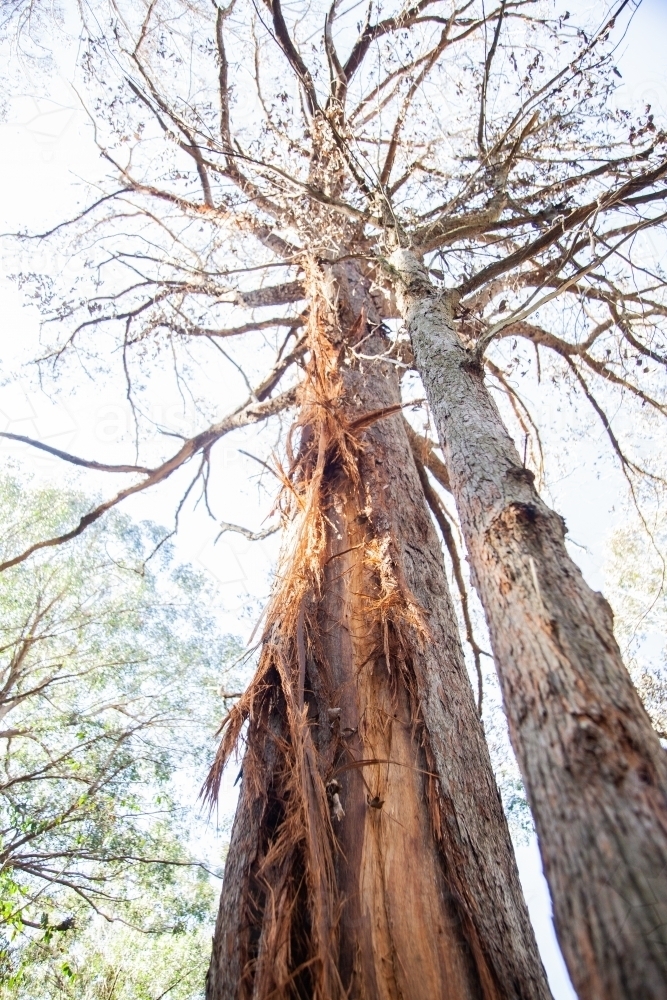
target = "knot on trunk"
x: 410, y: 274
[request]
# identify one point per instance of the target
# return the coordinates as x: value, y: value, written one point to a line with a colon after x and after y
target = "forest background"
x: 47, y: 157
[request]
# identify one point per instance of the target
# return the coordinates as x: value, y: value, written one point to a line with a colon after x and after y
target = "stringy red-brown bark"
x: 362, y: 701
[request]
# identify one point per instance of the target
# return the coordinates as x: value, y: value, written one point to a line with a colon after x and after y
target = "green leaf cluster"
x: 111, y: 663
x: 636, y: 585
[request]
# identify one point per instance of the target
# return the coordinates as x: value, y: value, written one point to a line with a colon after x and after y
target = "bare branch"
x: 74, y: 459
x: 252, y: 536
x: 251, y: 413
x: 567, y: 223
x: 481, y: 142
x: 293, y: 322
x: 425, y: 452
x: 438, y: 510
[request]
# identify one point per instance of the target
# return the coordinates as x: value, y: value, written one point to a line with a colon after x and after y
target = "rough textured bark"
x: 594, y: 770
x: 428, y: 898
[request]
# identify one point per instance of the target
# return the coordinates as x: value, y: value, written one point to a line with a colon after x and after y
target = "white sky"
x: 46, y: 155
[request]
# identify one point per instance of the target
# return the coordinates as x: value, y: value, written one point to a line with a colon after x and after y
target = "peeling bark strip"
x: 594, y: 770
x: 370, y: 858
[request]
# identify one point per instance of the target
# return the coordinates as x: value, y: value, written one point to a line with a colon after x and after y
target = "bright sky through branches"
x: 46, y: 159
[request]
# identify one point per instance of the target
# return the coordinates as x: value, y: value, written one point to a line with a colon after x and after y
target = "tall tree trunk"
x: 384, y: 870
x: 594, y: 770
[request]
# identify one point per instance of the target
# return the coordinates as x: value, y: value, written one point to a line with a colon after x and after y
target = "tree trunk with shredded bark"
x: 594, y: 770
x: 370, y: 857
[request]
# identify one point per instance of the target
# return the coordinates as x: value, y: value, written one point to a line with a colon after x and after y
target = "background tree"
x: 113, y: 961
x: 341, y: 177
x: 635, y: 583
x: 107, y: 696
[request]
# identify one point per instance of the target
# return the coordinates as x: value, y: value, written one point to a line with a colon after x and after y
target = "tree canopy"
x: 111, y: 673
x: 325, y: 201
x: 490, y: 140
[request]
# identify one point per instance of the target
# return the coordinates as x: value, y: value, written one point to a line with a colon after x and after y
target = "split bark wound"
x: 594, y: 770
x: 425, y: 900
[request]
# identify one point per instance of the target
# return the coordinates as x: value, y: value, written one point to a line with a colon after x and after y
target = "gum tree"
x: 106, y: 688
x: 302, y: 179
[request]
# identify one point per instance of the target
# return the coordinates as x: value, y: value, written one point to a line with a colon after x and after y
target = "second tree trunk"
x: 594, y: 770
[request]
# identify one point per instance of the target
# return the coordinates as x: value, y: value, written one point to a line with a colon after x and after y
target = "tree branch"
x: 252, y: 536
x: 438, y: 510
x: 251, y: 413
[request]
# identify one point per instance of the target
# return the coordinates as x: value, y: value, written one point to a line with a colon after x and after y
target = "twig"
x: 253, y: 536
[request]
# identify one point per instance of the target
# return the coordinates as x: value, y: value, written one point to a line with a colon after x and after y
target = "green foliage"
x: 636, y: 586
x: 110, y: 668
x: 114, y: 963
